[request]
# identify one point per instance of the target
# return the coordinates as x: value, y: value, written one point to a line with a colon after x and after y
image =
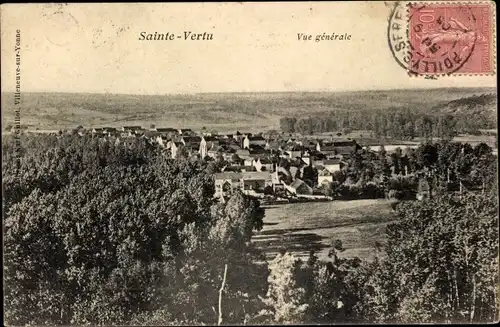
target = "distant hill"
x: 475, y: 105
x: 225, y: 111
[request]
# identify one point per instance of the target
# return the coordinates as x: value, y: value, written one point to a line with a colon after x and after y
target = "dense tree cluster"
x: 445, y: 165
x: 395, y: 123
x: 112, y: 232
x: 441, y: 264
x: 107, y: 232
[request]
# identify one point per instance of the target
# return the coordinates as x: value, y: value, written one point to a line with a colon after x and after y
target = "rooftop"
x: 259, y: 175
x: 228, y: 175
x: 331, y: 162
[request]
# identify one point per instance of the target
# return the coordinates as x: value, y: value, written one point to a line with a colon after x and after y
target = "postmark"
x: 435, y: 39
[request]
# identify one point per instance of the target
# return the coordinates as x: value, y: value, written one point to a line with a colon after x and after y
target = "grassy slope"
x: 223, y: 111
x: 302, y: 227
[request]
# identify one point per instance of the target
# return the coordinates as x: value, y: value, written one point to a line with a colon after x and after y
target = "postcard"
x: 243, y: 163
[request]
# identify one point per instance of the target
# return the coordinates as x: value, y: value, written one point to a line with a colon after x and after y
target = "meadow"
x: 302, y: 227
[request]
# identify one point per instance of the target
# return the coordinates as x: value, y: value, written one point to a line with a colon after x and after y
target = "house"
x: 243, y: 154
x: 257, y: 149
x: 226, y: 182
x: 298, y: 162
x: 185, y: 131
x: 104, y: 131
x: 235, y: 169
x: 332, y: 165
x: 162, y: 140
x: 214, y: 153
x: 253, y: 140
x: 248, y: 168
x: 248, y: 182
x: 131, y: 129
x: 324, y: 176
x: 127, y: 134
x: 276, y: 181
x: 192, y: 142
x: 256, y: 181
x: 343, y: 147
x: 208, y: 143
x: 174, y: 148
x: 263, y: 164
x: 299, y: 187
x: 249, y: 161
x: 326, y: 148
x: 306, y: 157
x: 308, y: 144
x: 293, y: 150
x: 346, y: 147
x: 165, y: 130
x: 234, y: 159
x: 109, y: 130
x: 272, y: 145
x: 283, y: 171
x: 238, y: 137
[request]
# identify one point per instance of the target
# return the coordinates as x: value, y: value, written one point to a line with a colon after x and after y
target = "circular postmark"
x: 434, y: 39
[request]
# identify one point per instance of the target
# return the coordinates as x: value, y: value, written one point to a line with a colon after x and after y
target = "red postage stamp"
x: 451, y: 38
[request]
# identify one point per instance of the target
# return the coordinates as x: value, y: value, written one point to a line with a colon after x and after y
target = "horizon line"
x: 257, y: 92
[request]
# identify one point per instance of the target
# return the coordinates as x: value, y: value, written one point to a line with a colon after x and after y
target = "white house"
x: 248, y: 161
x: 324, y: 176
x: 174, y: 148
x: 263, y: 164
x: 162, y: 140
x: 207, y: 143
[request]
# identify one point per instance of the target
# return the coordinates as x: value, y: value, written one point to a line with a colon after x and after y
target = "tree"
x: 484, y: 168
x: 182, y: 152
x: 327, y: 188
x: 436, y: 254
x: 287, y: 124
x: 310, y: 175
x: 355, y: 166
x: 286, y: 301
x: 463, y: 167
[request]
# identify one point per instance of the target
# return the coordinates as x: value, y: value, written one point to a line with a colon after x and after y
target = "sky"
x: 96, y: 48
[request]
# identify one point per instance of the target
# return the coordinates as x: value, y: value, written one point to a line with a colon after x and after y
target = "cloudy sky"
x: 96, y: 48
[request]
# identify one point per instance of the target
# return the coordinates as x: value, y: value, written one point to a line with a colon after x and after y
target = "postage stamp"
x: 443, y: 38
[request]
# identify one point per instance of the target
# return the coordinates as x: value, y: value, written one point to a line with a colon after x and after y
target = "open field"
x: 301, y: 227
x: 220, y: 111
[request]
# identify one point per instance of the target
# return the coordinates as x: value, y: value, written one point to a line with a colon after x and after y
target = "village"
x: 271, y: 166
